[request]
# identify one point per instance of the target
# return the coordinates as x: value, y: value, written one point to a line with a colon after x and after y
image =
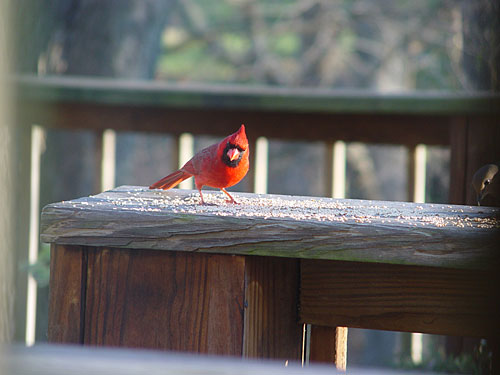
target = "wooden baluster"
x: 271, y: 327
x: 329, y: 345
x: 68, y: 275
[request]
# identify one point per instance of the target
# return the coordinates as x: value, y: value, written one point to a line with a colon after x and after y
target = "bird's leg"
x: 229, y: 195
x: 201, y: 196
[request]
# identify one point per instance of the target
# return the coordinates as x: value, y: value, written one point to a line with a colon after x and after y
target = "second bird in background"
x: 486, y: 183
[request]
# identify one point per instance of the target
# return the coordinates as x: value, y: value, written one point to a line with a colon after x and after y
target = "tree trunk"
x: 481, y: 44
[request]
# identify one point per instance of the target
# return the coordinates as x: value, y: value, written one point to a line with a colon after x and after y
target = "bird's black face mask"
x: 226, y: 159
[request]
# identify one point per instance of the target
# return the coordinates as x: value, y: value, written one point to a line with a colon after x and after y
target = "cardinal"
x: 220, y: 165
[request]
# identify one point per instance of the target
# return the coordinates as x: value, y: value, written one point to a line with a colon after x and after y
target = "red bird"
x: 220, y: 165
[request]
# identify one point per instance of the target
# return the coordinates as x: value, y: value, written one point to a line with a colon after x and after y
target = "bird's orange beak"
x: 233, y: 154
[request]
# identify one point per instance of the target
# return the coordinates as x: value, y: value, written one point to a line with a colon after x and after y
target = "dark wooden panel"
x: 67, y: 294
x: 162, y: 300
x: 458, y: 160
x: 475, y: 141
x: 365, y: 127
x: 272, y: 329
x: 483, y: 147
x: 399, y: 298
x: 329, y: 345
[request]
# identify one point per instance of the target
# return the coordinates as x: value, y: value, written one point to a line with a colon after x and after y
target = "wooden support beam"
x: 369, y: 128
x: 399, y: 298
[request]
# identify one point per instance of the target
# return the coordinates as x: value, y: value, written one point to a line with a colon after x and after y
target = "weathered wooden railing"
x: 146, y: 268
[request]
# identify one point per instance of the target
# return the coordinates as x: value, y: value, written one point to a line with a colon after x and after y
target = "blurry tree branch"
x: 198, y: 28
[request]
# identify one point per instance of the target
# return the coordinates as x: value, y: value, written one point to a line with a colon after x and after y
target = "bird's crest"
x: 239, y: 138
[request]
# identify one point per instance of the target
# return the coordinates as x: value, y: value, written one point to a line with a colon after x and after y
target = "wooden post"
x: 168, y: 301
x: 97, y: 188
x: 475, y: 141
x: 249, y: 179
x: 20, y: 203
x: 458, y: 160
x: 329, y: 345
x: 328, y: 171
x: 217, y: 304
x: 410, y: 190
x: 68, y: 279
x: 272, y: 328
x: 14, y: 196
x: 483, y: 147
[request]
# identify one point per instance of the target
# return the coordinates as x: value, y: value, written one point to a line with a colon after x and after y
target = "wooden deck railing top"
x: 440, y: 235
x: 56, y: 89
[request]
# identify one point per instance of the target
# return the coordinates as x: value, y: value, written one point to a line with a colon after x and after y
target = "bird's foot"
x: 231, y: 199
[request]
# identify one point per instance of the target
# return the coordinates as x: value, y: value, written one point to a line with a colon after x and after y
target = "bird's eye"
x: 487, y: 182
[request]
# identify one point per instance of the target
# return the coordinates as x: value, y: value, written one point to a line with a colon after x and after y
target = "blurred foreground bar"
x: 69, y: 359
x: 59, y: 359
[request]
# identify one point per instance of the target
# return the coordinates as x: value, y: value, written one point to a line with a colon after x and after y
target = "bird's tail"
x: 173, y: 179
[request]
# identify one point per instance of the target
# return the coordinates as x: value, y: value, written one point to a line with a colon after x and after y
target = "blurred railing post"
x: 7, y: 190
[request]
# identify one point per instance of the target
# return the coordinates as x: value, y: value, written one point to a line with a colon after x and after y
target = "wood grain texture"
x: 434, y: 235
x: 399, y: 298
x: 341, y: 348
x: 168, y: 301
x: 67, y: 294
x: 272, y: 328
x: 329, y: 345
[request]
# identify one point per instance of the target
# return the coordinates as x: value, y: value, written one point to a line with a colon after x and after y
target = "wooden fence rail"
x: 145, y: 268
